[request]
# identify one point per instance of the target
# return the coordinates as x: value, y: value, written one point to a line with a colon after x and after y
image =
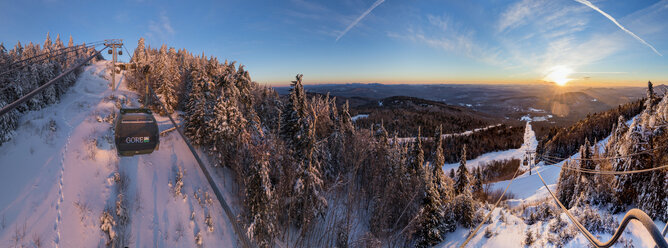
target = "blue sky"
x: 410, y: 41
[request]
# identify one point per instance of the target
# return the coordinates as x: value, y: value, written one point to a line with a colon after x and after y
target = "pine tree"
x: 585, y: 186
x: 48, y: 46
x: 229, y: 124
x: 346, y: 121
x: 293, y: 128
x: 653, y: 199
x: 168, y: 77
x: 198, y: 118
x: 566, y: 184
x: 259, y: 202
x: 437, y: 174
x: 310, y: 198
x: 430, y: 228
x: 478, y: 180
x: 651, y: 97
x: 417, y: 159
x: 628, y: 187
x: 462, y: 177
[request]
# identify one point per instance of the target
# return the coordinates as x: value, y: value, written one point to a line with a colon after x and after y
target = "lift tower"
x: 113, y: 44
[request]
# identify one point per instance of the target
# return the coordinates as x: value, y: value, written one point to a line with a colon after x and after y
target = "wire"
x: 606, y: 158
x: 635, y: 213
x: 42, y: 59
x: 9, y: 84
x: 50, y: 53
x: 600, y: 172
x: 490, y: 212
x: 24, y: 98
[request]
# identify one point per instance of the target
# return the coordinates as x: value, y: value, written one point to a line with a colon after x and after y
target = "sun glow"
x: 559, y: 75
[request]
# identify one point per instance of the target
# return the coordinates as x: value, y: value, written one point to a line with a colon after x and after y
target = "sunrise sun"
x: 559, y: 75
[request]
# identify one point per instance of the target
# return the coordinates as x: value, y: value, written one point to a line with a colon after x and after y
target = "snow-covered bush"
x: 529, y: 238
x: 489, y: 233
x: 557, y: 225
x: 107, y: 224
x: 198, y: 239
x: 121, y: 210
x: 594, y: 222
x: 177, y: 186
x: 539, y: 212
x: 209, y: 222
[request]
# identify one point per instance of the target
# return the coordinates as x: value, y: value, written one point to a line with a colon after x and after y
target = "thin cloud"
x: 378, y: 2
x: 590, y: 5
x: 162, y: 29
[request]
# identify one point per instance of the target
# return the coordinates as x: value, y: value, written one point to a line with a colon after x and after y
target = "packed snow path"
x: 57, y: 177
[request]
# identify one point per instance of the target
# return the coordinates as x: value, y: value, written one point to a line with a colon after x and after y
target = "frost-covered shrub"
x: 177, y: 186
x: 209, y: 222
x: 540, y: 212
x: 489, y: 233
x: 107, y: 224
x: 558, y: 224
x: 198, y: 239
x: 529, y: 238
x: 594, y: 222
x: 121, y: 210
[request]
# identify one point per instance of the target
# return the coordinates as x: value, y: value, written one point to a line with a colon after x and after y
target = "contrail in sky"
x: 590, y: 5
x: 378, y: 2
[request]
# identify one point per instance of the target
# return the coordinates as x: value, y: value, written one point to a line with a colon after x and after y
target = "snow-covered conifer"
x: 462, y: 177
x: 259, y: 203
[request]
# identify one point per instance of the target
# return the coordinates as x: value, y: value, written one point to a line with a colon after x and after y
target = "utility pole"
x: 529, y: 159
x: 113, y: 44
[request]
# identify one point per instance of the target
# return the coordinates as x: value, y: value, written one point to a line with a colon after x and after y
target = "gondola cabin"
x: 136, y: 132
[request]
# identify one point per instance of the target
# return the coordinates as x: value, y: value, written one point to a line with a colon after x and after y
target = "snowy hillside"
x: 530, y: 143
x: 60, y: 172
x: 509, y: 224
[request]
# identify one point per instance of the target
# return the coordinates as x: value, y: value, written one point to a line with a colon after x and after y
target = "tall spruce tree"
x: 462, y: 177
x: 262, y: 220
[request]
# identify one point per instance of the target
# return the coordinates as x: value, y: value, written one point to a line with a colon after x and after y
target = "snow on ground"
x: 57, y: 178
x: 530, y: 143
x: 354, y: 118
x: 535, y: 118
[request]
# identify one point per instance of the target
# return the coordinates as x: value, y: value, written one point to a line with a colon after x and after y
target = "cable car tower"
x: 113, y: 44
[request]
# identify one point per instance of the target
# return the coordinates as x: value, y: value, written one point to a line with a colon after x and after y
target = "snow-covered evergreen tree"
x: 437, y: 174
x: 309, y: 194
x: 462, y: 177
x: 417, y: 159
x: 627, y: 187
x: 293, y: 128
x: 259, y: 202
x: 346, y: 121
x: 585, y: 185
x: 566, y: 184
x: 430, y: 229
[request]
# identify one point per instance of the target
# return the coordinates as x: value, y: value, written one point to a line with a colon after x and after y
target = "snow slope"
x: 57, y: 178
x: 529, y: 190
